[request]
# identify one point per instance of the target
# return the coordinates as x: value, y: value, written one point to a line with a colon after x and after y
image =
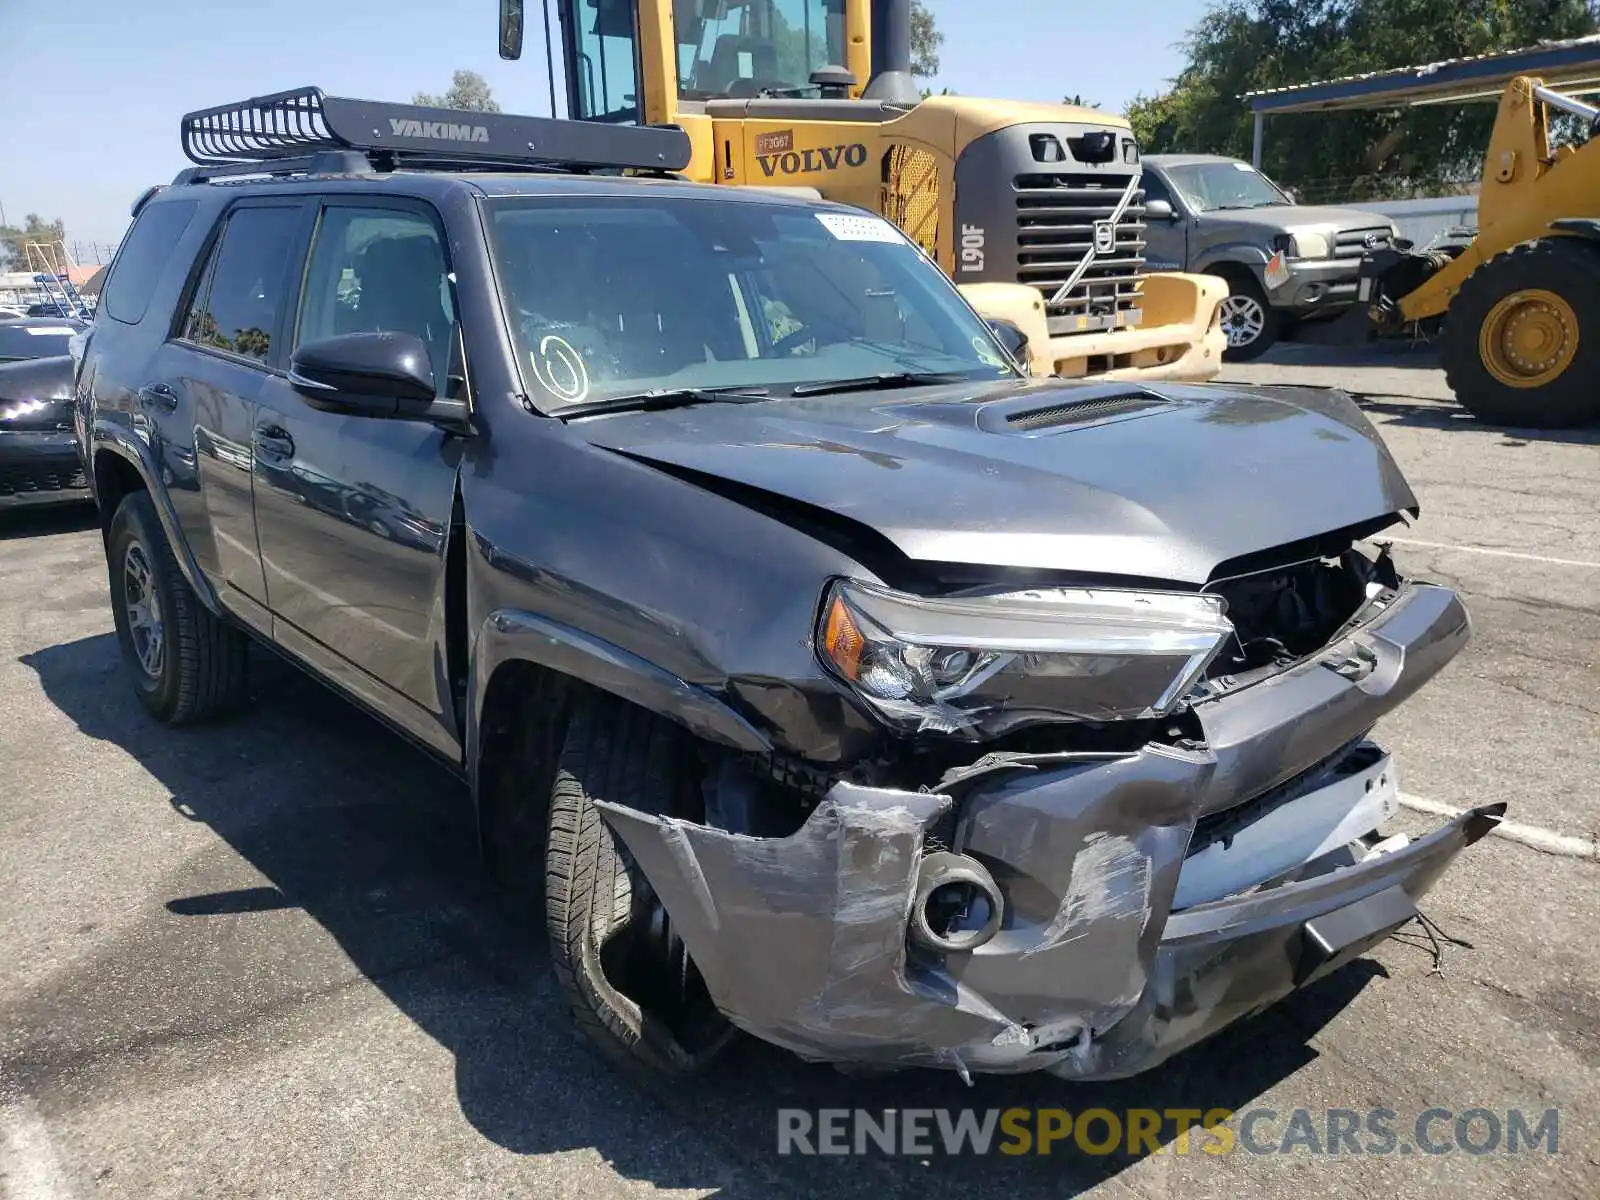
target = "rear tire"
x: 1522, y: 337
x: 1250, y: 324
x: 628, y: 981
x: 187, y: 665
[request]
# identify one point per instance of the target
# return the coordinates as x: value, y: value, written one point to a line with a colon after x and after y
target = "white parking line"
x: 29, y: 1169
x: 1534, y: 836
x: 1559, y: 562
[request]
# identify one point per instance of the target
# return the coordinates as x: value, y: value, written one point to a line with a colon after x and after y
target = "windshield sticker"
x: 848, y: 228
x: 49, y: 330
x: 1245, y: 167
x: 559, y: 369
x: 987, y: 352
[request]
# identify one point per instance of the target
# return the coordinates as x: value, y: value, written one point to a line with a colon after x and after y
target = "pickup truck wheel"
x: 1250, y: 324
x: 628, y: 979
x: 1522, y: 337
x: 187, y: 665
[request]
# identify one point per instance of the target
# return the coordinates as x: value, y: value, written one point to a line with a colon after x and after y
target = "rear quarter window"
x: 144, y: 256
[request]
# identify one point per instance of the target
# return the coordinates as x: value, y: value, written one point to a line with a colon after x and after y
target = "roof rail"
x: 304, y: 131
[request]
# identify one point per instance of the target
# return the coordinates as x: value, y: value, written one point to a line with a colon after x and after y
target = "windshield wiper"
x: 659, y: 398
x: 868, y: 383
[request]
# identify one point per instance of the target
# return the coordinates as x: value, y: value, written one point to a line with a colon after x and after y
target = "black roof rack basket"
x: 303, y: 123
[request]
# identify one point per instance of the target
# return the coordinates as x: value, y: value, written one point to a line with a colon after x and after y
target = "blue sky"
x: 92, y: 90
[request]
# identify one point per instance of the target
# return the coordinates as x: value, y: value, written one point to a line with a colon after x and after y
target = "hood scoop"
x: 1096, y: 404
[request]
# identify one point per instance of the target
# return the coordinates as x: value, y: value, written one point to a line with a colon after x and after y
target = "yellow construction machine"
x: 1517, y: 305
x: 1035, y: 210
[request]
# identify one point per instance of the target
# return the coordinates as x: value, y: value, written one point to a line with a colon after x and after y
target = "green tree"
x: 925, y: 41
x: 1241, y: 46
x: 468, y: 92
x: 34, y: 228
x: 1076, y: 100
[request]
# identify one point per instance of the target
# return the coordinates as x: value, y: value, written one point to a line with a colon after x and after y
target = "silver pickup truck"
x: 1284, y: 262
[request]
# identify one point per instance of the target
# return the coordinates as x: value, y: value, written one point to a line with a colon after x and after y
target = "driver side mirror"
x: 372, y: 375
x: 511, y: 29
x: 1159, y: 210
x: 1012, y: 338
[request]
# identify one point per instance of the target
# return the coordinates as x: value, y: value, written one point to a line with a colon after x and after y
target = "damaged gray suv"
x: 834, y: 681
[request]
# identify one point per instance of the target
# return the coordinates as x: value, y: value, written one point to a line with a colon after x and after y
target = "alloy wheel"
x: 1243, y: 320
x: 142, y: 603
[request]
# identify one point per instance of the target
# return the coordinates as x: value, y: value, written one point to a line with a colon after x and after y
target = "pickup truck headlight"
x: 1309, y: 245
x: 978, y: 666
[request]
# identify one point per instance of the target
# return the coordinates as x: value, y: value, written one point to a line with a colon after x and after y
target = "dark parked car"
x: 840, y: 684
x: 39, y: 459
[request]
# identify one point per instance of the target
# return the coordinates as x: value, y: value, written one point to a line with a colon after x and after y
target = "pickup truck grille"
x: 1352, y: 243
x: 1056, y: 215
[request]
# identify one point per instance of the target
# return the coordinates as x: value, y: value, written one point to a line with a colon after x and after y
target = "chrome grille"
x: 1352, y: 243
x: 1056, y: 215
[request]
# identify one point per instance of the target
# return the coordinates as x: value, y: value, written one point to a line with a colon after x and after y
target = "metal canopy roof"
x: 1572, y: 65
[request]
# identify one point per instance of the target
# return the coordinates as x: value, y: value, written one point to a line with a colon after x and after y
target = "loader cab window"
x: 741, y: 49
x: 602, y: 59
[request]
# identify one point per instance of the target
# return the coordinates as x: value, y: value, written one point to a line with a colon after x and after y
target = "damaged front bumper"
x: 1123, y: 934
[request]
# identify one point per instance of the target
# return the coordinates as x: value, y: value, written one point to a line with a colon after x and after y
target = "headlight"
x: 1308, y: 245
x: 11, y: 410
x: 978, y: 666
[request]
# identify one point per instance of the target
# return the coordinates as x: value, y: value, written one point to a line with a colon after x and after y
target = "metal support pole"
x: 1255, y: 146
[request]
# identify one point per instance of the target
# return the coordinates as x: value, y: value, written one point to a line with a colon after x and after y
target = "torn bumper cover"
x: 1095, y: 970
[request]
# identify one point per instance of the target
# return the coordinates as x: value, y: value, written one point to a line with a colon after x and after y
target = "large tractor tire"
x: 1522, y: 338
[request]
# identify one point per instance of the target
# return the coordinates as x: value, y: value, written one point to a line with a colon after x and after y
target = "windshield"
x: 1209, y: 187
x: 613, y: 296
x: 741, y: 48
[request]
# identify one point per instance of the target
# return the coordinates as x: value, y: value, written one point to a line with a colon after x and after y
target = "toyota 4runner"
x: 841, y: 684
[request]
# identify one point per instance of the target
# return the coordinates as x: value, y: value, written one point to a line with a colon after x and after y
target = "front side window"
x: 379, y: 270
x: 236, y: 307
x: 1219, y: 186
x: 744, y: 48
x: 610, y: 297
x: 603, y: 66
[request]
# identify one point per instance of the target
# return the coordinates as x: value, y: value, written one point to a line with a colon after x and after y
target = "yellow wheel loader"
x: 1035, y: 210
x: 1519, y: 303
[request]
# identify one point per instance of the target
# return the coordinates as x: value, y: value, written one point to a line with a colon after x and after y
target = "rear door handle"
x: 274, y: 442
x: 158, y: 396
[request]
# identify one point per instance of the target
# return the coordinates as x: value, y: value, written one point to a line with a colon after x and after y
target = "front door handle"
x: 274, y: 442
x: 158, y: 396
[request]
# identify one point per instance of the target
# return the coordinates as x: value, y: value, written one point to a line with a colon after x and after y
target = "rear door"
x: 201, y: 388
x: 353, y: 513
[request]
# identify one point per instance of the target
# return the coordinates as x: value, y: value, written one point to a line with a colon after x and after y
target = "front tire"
x: 1250, y: 324
x: 629, y: 982
x: 187, y: 665
x: 1522, y: 337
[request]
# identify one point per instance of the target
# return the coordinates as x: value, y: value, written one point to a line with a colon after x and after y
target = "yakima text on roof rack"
x: 267, y: 132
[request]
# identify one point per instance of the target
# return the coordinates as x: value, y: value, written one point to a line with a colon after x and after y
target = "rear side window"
x: 237, y: 304
x: 144, y: 255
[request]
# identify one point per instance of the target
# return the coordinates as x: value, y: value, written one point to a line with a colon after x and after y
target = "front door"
x: 1166, y: 240
x: 353, y: 513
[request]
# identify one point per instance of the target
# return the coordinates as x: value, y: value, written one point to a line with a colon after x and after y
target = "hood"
x: 1148, y: 481
x: 1289, y: 217
x: 37, y: 379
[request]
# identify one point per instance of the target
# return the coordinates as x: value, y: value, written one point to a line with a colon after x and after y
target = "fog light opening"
x: 957, y: 906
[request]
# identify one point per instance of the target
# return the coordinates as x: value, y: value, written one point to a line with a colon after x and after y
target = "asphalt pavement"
x: 260, y: 958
